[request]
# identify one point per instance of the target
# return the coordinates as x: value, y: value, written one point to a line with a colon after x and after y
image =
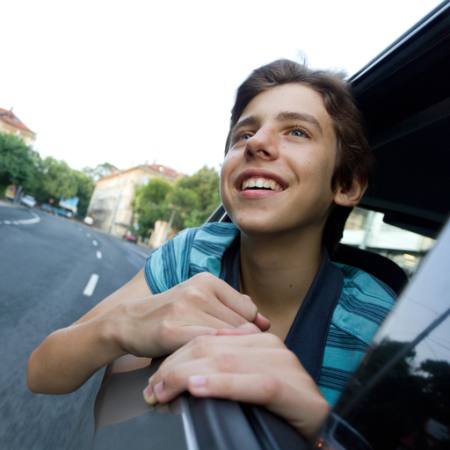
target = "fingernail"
x: 159, y: 388
x: 149, y: 397
x: 260, y: 316
x: 197, y: 381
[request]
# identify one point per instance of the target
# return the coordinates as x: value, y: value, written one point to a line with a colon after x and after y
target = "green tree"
x: 184, y: 203
x: 205, y: 183
x: 57, y: 180
x: 18, y: 162
x: 101, y: 170
x: 188, y: 203
x: 151, y: 204
x: 85, y: 187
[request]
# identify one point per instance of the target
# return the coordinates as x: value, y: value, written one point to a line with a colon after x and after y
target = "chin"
x: 256, y: 224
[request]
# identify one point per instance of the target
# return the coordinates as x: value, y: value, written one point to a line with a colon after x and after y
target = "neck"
x: 277, y: 271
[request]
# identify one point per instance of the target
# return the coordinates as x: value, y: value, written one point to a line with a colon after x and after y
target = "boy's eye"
x: 298, y: 132
x: 244, y: 136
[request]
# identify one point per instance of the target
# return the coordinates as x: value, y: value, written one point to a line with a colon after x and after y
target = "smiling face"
x: 276, y: 176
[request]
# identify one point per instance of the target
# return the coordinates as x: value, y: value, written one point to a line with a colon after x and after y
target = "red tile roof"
x: 156, y: 168
x: 11, y: 119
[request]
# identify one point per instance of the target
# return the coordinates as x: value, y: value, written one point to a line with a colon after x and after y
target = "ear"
x: 350, y: 196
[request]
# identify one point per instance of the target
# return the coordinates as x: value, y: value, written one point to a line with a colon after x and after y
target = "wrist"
x: 111, y: 333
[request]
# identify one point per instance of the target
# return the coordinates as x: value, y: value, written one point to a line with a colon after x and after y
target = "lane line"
x: 94, y: 243
x: 35, y: 219
x: 90, y: 287
x: 99, y: 254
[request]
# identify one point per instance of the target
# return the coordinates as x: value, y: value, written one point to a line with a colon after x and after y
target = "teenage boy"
x: 251, y: 310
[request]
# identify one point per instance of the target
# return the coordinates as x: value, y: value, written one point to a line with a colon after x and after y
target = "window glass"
x: 415, y: 390
x: 366, y: 230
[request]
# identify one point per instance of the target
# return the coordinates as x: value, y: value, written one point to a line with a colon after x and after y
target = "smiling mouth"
x: 260, y: 183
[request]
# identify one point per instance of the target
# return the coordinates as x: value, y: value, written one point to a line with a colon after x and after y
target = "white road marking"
x: 90, y: 287
x: 99, y: 254
x: 94, y: 243
x: 35, y: 219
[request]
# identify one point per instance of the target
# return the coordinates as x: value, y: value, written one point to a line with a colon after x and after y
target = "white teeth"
x: 261, y: 183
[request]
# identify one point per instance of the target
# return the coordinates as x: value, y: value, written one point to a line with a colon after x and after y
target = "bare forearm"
x: 68, y: 357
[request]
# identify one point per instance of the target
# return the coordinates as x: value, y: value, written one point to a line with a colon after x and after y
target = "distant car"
x: 63, y: 212
x: 128, y: 236
x: 28, y: 200
x: 47, y: 208
x: 88, y: 220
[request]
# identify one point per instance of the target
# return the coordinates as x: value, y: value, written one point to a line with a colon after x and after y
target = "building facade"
x: 11, y: 124
x: 111, y: 202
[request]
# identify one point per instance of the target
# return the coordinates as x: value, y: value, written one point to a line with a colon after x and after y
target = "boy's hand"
x: 200, y: 306
x: 255, y: 368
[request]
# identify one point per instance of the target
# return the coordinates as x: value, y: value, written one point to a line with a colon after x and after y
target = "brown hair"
x: 354, y: 158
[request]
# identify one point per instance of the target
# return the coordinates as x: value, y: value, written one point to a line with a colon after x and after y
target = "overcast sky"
x: 140, y: 81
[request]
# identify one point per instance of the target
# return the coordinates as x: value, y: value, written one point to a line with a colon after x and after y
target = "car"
x: 399, y: 398
x: 88, y: 220
x: 28, y: 200
x: 130, y: 237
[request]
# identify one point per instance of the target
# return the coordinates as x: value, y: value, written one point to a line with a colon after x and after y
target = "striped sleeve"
x: 192, y: 251
x: 209, y: 245
x: 169, y: 264
x: 363, y: 305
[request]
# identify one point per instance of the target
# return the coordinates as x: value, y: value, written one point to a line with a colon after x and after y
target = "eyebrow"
x: 303, y: 117
x: 250, y: 121
x: 281, y: 117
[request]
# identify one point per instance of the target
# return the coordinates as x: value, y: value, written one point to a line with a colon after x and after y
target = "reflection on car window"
x: 366, y: 229
x: 415, y: 391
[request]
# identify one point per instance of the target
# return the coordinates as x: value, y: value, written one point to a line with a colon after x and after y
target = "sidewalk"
x: 8, y: 204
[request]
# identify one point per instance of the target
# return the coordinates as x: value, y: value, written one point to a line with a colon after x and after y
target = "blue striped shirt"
x: 362, y: 305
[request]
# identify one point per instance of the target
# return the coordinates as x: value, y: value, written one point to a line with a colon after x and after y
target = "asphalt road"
x: 52, y: 270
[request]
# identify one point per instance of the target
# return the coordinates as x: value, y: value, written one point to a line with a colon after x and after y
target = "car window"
x: 366, y: 229
x: 400, y: 396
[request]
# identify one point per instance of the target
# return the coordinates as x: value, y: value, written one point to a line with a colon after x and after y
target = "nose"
x: 262, y: 145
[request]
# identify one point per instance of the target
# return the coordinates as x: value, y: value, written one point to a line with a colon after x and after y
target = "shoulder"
x: 364, y: 303
x: 191, y: 251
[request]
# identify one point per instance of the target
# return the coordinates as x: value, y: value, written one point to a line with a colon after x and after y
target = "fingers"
x: 208, y: 354
x: 183, y: 334
x: 301, y: 405
x: 254, y: 368
x: 262, y: 322
x: 226, y: 341
x: 246, y: 328
x: 256, y: 388
x: 223, y: 312
x: 239, y: 303
x: 251, y: 388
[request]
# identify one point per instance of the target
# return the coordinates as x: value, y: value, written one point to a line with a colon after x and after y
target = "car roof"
x: 403, y: 94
